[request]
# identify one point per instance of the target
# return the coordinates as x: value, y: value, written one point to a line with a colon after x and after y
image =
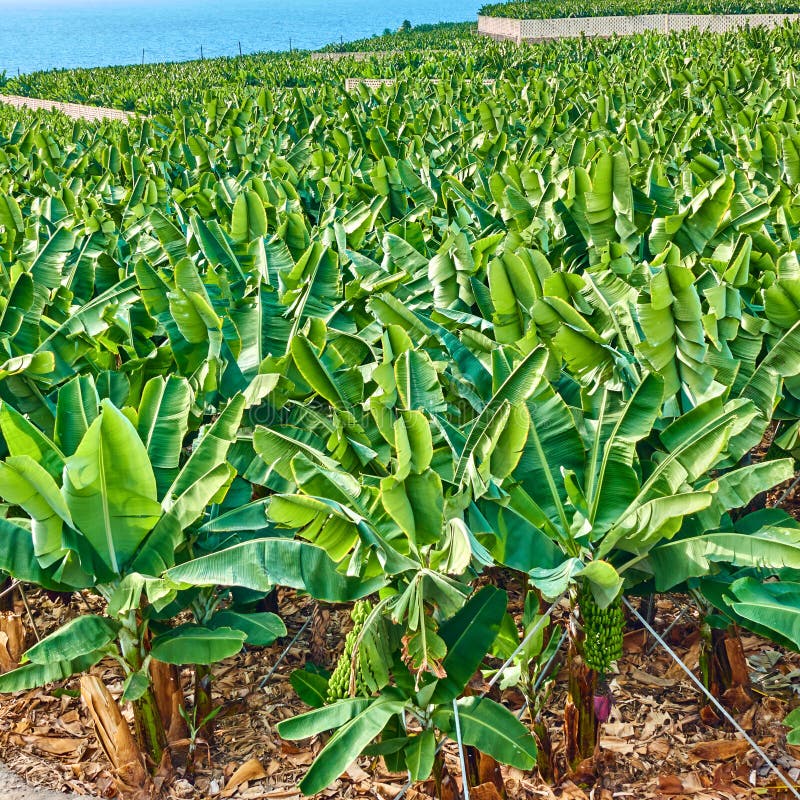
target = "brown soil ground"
x: 656, y: 745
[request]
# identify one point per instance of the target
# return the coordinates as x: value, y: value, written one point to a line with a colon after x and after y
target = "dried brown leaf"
x: 485, y: 791
x: 249, y: 771
x: 718, y: 750
x: 615, y: 744
x: 55, y: 745
x: 646, y: 679
x: 674, y: 784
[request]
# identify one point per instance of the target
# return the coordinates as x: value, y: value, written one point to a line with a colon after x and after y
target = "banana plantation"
x: 420, y: 421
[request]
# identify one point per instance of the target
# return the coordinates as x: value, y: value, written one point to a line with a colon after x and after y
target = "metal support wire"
x: 464, y: 777
x: 30, y: 613
x: 787, y: 492
x: 283, y: 655
x: 402, y: 793
x: 719, y: 707
x: 531, y: 633
x: 545, y: 672
x: 8, y: 590
x: 543, y: 675
x: 668, y: 629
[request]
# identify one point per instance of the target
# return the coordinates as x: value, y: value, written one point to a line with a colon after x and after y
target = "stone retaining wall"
x: 521, y: 30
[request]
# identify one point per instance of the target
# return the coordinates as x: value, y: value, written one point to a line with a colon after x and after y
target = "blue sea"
x: 47, y: 34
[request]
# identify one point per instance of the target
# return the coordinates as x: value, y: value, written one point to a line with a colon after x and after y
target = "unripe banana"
x: 339, y: 683
x: 603, y: 629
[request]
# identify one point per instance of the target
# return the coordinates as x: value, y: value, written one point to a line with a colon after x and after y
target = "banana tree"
x: 411, y: 719
x: 398, y: 523
x: 110, y: 503
x: 772, y: 607
x: 607, y: 486
x: 738, y: 573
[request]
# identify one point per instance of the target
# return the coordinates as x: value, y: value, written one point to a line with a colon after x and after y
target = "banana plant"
x: 738, y: 573
x: 374, y: 531
x: 398, y: 523
x: 531, y: 654
x: 606, y: 486
x: 408, y: 720
x: 110, y: 503
x: 769, y: 606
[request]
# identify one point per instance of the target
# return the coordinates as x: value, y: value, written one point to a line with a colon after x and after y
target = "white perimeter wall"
x: 537, y: 29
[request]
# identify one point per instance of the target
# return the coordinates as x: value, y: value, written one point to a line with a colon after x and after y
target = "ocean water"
x: 47, y: 34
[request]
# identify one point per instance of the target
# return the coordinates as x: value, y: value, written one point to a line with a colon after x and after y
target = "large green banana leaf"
x: 110, y: 488
x: 263, y: 563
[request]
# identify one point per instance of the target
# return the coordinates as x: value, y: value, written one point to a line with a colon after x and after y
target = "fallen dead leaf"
x: 634, y: 641
x: 737, y: 699
x: 616, y: 745
x: 485, y: 791
x: 55, y: 745
x: 659, y: 748
x: 388, y: 790
x: 584, y: 772
x: 646, y: 679
x: 569, y: 791
x: 730, y: 777
x: 621, y: 730
x: 355, y: 773
x: 674, y: 784
x: 718, y: 750
x: 670, y: 784
x: 655, y: 720
x: 249, y: 771
x: 691, y: 660
x: 709, y: 716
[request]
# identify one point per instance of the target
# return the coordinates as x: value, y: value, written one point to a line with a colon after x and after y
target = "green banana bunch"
x: 603, y: 629
x: 339, y: 683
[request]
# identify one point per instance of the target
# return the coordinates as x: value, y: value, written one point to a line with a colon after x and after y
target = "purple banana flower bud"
x: 602, y: 706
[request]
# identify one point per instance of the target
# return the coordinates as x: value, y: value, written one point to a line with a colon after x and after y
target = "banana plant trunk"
x: 12, y: 640
x: 581, y: 727
x: 545, y: 754
x: 203, y: 703
x: 319, y: 651
x: 445, y: 787
x: 148, y: 725
x: 170, y: 700
x: 723, y: 667
x: 131, y: 776
x: 484, y: 778
x: 149, y: 728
